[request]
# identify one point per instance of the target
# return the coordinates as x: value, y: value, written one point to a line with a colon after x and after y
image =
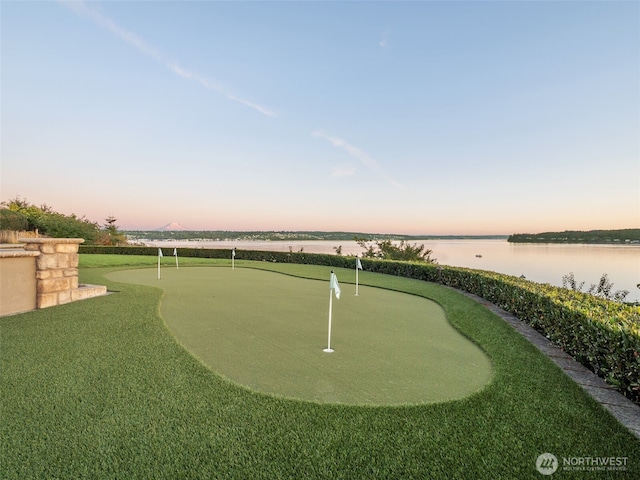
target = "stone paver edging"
x: 627, y: 412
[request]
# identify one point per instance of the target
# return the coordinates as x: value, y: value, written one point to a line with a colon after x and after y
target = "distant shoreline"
x: 226, y: 235
x: 593, y: 237
x: 629, y: 236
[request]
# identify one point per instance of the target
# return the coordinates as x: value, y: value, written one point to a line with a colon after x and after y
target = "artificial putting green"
x: 267, y: 331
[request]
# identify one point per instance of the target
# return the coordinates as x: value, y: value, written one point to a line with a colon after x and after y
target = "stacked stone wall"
x: 56, y: 269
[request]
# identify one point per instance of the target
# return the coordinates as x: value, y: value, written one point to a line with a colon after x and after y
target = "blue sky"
x: 392, y: 117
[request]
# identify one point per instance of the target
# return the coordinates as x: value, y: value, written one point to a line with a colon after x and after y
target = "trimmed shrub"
x: 11, y: 220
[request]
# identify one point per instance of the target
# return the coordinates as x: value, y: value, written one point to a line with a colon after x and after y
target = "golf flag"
x: 159, y: 257
x: 233, y: 258
x: 175, y: 254
x: 358, y: 267
x: 334, y: 285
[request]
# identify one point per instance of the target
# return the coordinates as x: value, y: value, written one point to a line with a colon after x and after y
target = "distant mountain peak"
x: 173, y: 226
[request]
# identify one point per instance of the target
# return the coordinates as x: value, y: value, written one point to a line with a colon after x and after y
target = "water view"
x: 542, y: 263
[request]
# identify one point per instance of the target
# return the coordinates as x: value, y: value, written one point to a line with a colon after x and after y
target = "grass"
x: 102, y: 389
x: 267, y: 331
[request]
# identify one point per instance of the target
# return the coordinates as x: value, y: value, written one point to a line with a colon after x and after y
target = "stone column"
x: 56, y: 269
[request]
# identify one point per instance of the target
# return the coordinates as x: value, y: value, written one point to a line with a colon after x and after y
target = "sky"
x: 428, y: 117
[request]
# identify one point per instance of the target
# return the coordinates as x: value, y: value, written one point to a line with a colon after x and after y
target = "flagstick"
x: 357, y: 279
x: 177, y: 267
x: 329, y: 349
x: 233, y: 259
x: 158, y: 267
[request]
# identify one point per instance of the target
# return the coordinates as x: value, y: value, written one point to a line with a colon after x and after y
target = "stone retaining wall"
x: 56, y: 274
x: 56, y: 269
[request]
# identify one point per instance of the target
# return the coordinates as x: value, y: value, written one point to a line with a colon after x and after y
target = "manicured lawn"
x: 267, y: 331
x: 102, y: 389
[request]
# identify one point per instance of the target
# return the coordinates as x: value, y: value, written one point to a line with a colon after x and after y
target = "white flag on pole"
x: 334, y: 285
x: 175, y: 252
x: 358, y: 267
x: 160, y: 252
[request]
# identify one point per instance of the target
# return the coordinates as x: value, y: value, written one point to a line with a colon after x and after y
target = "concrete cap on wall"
x: 51, y: 240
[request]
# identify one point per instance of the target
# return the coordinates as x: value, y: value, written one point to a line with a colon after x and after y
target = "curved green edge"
x: 267, y: 331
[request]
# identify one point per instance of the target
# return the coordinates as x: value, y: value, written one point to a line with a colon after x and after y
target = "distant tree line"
x: 212, y: 235
x: 19, y: 214
x: 624, y: 236
x: 286, y: 235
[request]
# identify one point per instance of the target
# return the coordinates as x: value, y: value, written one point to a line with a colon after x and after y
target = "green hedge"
x: 282, y: 257
x: 600, y: 334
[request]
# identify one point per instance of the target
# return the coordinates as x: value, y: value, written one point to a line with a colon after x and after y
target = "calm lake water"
x: 542, y: 263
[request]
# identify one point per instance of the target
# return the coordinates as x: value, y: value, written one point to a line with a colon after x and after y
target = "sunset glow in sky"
x: 388, y: 117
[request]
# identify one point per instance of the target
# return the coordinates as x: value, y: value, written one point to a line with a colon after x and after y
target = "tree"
x: 51, y: 223
x: 110, y: 234
x: 22, y: 206
x: 604, y: 288
x: 387, y: 250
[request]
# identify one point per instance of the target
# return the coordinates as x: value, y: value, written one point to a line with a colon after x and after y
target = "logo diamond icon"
x: 547, y: 463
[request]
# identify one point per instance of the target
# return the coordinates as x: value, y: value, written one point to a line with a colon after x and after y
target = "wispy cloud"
x: 344, y: 171
x: 384, y: 39
x: 83, y: 9
x: 361, y: 155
